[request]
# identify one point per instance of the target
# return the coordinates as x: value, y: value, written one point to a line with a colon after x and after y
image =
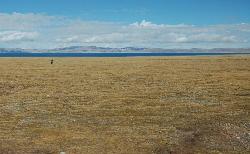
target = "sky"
x: 45, y: 24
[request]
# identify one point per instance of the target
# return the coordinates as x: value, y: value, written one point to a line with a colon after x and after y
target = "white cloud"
x: 19, y: 21
x: 202, y: 37
x: 14, y: 36
x: 43, y: 31
x: 71, y: 39
x: 146, y: 24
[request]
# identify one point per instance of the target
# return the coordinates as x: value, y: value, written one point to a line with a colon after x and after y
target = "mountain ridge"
x: 84, y: 49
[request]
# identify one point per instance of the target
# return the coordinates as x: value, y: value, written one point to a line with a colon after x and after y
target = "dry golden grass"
x: 125, y: 105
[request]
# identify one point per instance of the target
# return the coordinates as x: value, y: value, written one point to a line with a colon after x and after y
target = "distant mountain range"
x: 82, y: 49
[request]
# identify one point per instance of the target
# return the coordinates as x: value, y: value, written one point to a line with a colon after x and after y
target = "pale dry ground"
x: 125, y: 105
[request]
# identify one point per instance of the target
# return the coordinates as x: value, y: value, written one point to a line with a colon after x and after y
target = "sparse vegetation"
x: 125, y: 105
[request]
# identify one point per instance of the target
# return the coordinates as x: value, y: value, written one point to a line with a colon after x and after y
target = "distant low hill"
x: 82, y: 49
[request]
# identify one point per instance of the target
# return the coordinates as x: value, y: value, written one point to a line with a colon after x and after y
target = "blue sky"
x: 119, y: 23
x: 199, y: 12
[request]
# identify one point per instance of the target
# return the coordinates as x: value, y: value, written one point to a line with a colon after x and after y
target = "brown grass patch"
x: 125, y: 105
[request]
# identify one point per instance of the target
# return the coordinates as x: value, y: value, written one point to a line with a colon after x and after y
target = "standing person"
x: 51, y: 61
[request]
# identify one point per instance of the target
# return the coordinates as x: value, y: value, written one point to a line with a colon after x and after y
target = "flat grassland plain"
x: 125, y: 105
